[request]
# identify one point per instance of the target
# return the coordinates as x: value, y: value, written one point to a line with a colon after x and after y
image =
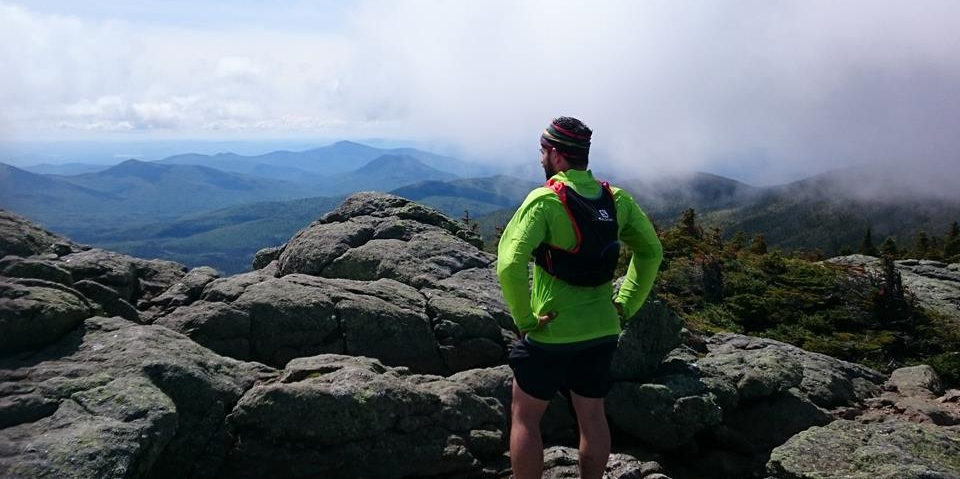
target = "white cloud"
x: 241, y: 68
x: 70, y: 73
x: 786, y: 87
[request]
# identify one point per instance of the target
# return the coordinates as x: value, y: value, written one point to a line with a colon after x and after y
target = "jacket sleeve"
x: 525, y: 231
x: 637, y: 232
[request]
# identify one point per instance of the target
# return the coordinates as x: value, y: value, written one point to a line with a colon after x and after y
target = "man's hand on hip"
x: 541, y: 320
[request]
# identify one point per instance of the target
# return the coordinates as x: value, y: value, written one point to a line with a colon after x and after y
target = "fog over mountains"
x: 220, y: 209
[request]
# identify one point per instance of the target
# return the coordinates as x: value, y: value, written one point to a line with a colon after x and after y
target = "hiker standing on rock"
x: 568, y: 324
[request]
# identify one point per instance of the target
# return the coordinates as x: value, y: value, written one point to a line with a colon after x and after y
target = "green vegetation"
x: 924, y: 246
x: 225, y: 239
x: 853, y: 314
x: 866, y: 246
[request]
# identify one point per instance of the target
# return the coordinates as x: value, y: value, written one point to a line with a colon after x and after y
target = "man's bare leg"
x: 526, y: 445
x: 594, y: 436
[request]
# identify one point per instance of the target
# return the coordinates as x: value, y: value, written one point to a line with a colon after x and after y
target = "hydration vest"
x: 593, y: 260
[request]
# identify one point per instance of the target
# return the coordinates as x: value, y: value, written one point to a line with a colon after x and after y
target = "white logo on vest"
x: 604, y: 216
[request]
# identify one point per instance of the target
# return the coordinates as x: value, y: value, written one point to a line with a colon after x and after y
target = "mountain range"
x: 220, y: 209
x: 138, y: 193
x: 307, y: 166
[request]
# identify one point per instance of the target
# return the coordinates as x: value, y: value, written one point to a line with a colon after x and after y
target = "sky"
x: 764, y: 91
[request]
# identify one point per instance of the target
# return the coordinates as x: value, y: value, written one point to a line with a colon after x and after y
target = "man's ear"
x: 560, y: 161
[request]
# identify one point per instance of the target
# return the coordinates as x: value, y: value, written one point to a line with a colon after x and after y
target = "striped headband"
x: 565, y: 141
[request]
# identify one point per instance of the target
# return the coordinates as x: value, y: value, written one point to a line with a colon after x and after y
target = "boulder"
x: 113, y: 270
x: 375, y: 235
x: 313, y: 248
x: 115, y: 399
x: 919, y: 380
x: 218, y: 326
x: 20, y: 237
x: 133, y: 279
x: 646, y: 340
x: 481, y: 287
x: 185, y: 291
x: 767, y: 392
x: 16, y: 267
x: 378, y: 205
x: 469, y: 336
x: 273, y: 320
x: 107, y: 299
x: 267, y: 255
x: 36, y: 314
x: 339, y: 416
x: 379, y: 276
x: 755, y: 373
x: 421, y: 261
x: 911, y: 394
x: 557, y: 424
x: 767, y: 423
x: 759, y: 367
x: 664, y: 414
x: 561, y: 462
x: 155, y: 276
x: 849, y: 449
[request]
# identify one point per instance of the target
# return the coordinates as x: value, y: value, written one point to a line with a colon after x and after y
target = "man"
x: 569, y: 326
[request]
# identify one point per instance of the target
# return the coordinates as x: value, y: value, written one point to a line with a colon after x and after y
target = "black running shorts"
x: 542, y: 372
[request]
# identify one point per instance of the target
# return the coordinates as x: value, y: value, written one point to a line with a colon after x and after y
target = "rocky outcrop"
x: 274, y: 320
x: 760, y: 367
x: 850, y: 449
x: 35, y: 313
x: 647, y: 339
x: 736, y: 403
x: 935, y: 285
x: 133, y: 279
x: 373, y: 235
x: 912, y: 429
x: 116, y: 284
x: 561, y: 462
x: 20, y: 237
x: 35, y: 268
x: 379, y: 276
x: 339, y: 416
x: 185, y: 291
x: 114, y: 399
x: 267, y: 255
x: 379, y: 336
x: 915, y: 394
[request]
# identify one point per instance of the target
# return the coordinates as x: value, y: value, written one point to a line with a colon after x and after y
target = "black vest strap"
x: 593, y: 259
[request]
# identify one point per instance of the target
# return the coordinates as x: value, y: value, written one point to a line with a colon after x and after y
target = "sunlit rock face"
x: 379, y: 331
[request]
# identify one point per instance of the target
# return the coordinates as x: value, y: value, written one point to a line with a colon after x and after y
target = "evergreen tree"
x: 688, y: 224
x: 716, y: 237
x: 759, y: 245
x: 951, y: 246
x: 889, y: 248
x: 845, y: 251
x: 866, y: 246
x: 739, y: 241
x: 936, y: 249
x: 890, y: 302
x: 471, y: 225
x: 921, y: 246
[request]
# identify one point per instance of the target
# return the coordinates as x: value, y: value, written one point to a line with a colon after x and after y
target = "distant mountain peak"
x: 384, y: 162
x: 348, y: 143
x: 133, y: 167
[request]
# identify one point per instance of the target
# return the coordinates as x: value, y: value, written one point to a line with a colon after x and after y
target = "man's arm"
x: 637, y: 233
x: 520, y: 237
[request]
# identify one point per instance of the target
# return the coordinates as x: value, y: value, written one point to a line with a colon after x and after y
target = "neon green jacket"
x: 583, y: 313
